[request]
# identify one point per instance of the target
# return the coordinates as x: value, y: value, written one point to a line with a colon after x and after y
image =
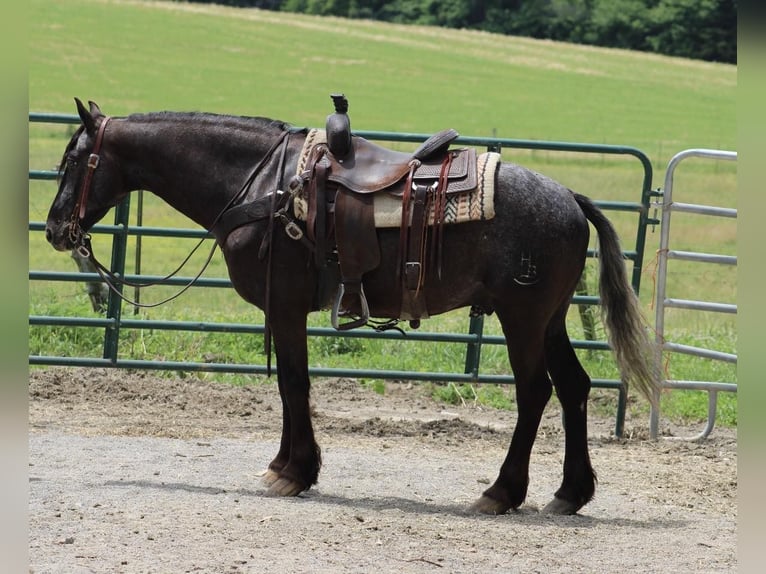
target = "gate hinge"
x: 654, y: 220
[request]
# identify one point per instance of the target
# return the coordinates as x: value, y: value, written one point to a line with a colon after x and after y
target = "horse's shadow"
x: 526, y: 515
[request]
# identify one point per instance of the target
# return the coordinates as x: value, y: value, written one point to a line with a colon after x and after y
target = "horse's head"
x: 90, y: 183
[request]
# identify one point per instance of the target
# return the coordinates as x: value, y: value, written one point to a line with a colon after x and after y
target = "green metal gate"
x: 474, y: 339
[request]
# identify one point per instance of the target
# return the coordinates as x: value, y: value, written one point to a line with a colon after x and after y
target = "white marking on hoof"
x: 561, y: 507
x: 284, y: 487
x: 487, y: 505
x: 269, y: 477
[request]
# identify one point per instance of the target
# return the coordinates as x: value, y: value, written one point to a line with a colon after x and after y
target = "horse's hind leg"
x: 572, y: 386
x: 533, y: 390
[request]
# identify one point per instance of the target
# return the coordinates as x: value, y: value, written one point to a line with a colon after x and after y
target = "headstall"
x: 78, y: 213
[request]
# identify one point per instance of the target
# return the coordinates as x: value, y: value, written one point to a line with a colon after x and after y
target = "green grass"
x: 180, y: 56
x: 398, y: 78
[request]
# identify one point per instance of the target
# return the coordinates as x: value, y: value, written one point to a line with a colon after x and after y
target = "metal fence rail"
x: 474, y: 339
x: 663, y: 302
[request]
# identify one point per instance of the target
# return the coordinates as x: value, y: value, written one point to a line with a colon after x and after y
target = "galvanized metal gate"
x: 669, y: 206
x: 114, y: 322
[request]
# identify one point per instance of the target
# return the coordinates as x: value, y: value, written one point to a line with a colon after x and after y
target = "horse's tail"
x: 627, y: 333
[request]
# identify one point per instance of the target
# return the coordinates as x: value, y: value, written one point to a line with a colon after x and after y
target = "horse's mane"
x: 244, y: 122
x: 256, y: 122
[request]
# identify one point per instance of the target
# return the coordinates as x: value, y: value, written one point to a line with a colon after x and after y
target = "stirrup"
x: 354, y: 323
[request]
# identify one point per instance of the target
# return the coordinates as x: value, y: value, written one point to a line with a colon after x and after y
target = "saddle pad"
x: 476, y: 205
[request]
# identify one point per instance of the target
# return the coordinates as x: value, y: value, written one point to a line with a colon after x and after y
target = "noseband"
x: 76, y: 234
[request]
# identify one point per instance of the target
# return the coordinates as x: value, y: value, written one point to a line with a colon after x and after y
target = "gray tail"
x: 626, y: 328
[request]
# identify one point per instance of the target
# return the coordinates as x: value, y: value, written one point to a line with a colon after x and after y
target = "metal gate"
x: 663, y: 302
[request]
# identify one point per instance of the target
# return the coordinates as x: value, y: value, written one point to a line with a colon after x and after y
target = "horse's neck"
x: 195, y: 170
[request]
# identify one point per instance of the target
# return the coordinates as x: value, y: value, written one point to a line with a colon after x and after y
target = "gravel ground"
x: 135, y: 472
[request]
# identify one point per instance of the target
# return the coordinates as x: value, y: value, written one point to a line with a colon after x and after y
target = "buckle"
x: 412, y: 275
x: 83, y: 251
x: 293, y: 231
x: 93, y: 160
x: 295, y: 185
x: 291, y: 228
x: 82, y: 242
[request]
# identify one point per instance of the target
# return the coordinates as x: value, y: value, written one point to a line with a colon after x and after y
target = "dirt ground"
x: 137, y: 472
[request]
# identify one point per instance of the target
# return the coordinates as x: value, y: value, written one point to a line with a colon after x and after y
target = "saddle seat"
x: 369, y: 168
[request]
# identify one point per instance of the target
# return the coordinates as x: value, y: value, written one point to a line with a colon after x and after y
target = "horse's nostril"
x: 48, y: 234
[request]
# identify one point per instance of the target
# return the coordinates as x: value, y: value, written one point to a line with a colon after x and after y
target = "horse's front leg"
x: 296, y: 466
x: 283, y: 456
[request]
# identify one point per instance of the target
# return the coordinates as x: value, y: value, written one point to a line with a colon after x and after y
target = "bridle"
x: 76, y: 233
x: 81, y: 239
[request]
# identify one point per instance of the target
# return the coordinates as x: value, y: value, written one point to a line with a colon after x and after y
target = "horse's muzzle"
x: 59, y: 236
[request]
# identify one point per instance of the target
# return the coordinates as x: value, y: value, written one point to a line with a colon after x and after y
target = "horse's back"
x: 536, y: 203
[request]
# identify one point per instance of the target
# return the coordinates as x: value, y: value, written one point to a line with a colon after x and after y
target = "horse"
x: 204, y: 165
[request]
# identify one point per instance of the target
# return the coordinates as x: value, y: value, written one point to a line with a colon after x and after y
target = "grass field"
x: 142, y: 56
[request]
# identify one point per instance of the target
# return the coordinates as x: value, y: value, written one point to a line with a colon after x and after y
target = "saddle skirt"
x: 471, y: 202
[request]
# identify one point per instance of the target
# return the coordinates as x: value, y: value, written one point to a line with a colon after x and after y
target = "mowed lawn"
x: 144, y: 56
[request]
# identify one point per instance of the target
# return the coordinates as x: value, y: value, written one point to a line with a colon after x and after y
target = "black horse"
x: 204, y: 165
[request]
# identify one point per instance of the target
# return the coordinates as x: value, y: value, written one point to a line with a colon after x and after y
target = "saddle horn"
x: 338, y: 128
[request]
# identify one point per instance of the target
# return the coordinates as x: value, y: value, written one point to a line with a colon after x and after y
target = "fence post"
x: 473, y: 350
x: 114, y: 306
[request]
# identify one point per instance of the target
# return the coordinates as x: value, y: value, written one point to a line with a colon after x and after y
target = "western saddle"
x: 339, y: 182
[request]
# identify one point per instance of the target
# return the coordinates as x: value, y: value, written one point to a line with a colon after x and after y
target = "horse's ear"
x: 95, y: 111
x: 85, y: 116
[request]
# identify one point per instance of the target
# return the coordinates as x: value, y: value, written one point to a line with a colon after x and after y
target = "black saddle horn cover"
x: 338, y: 128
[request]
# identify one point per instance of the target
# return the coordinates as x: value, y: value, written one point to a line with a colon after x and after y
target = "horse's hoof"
x: 487, y: 505
x: 269, y: 478
x: 284, y: 487
x: 561, y: 507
